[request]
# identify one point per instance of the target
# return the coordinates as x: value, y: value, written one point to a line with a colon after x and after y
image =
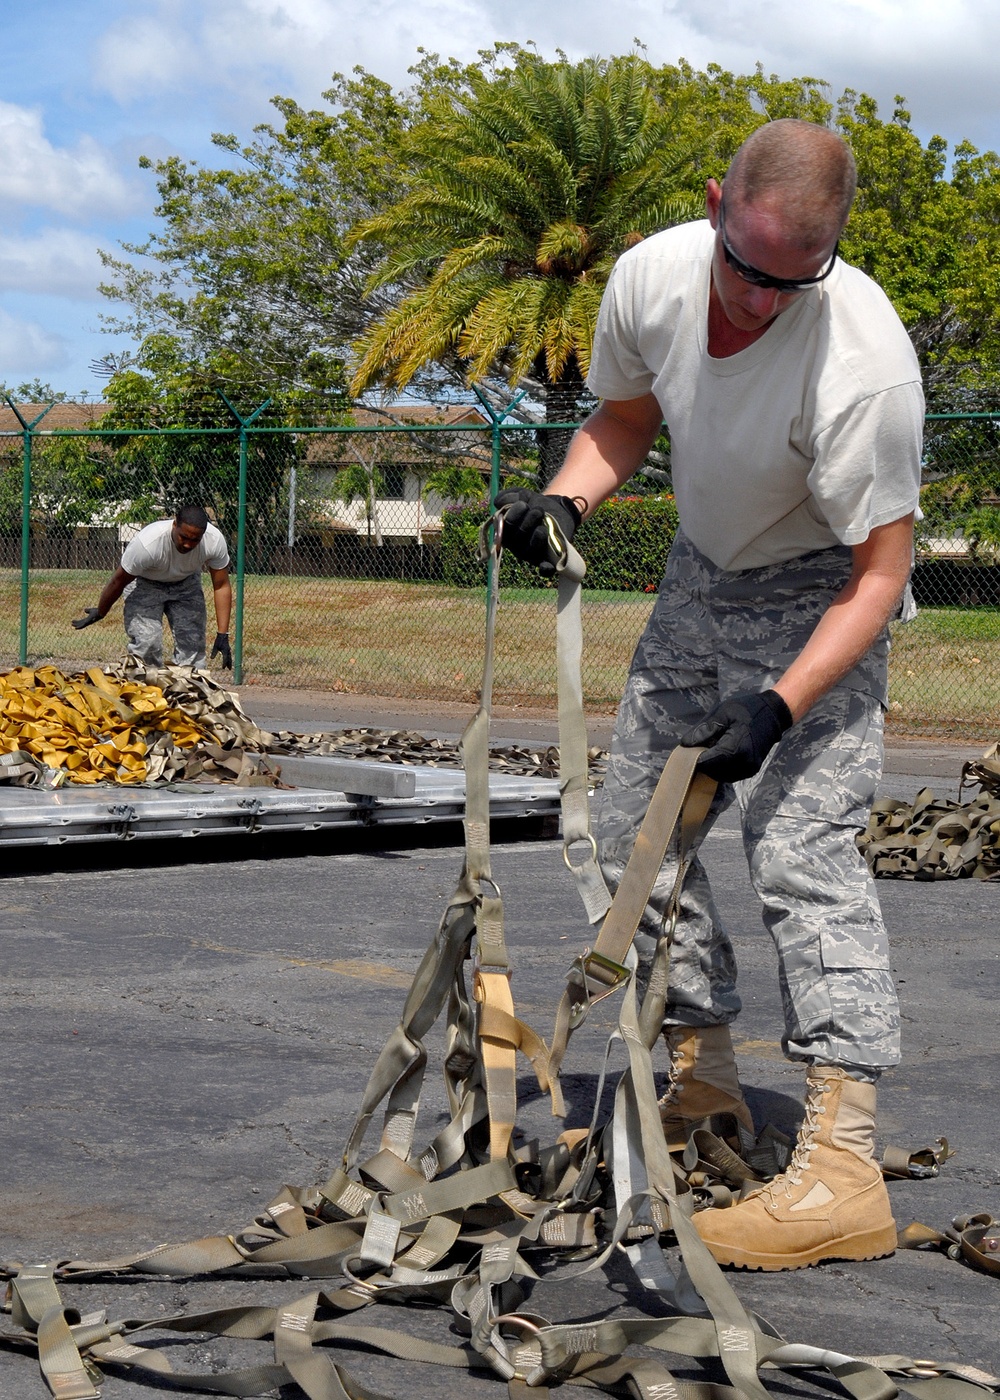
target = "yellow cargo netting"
x: 90, y: 727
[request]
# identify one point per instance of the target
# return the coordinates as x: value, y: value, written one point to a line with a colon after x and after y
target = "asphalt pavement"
x: 189, y: 1025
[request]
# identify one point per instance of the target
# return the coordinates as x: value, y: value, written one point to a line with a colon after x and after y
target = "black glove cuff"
x: 569, y: 503
x: 778, y: 708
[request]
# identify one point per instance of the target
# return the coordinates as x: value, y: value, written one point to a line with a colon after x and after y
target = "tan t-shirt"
x: 809, y: 437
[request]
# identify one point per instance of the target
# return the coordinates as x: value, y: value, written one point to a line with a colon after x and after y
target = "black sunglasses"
x: 757, y: 278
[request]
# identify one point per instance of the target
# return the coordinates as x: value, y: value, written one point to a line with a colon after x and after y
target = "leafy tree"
x: 155, y: 473
x: 933, y: 244
x: 454, y: 483
x: 525, y: 185
x: 249, y: 262
x: 33, y: 391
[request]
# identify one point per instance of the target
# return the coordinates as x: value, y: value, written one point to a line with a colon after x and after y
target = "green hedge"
x: 625, y: 544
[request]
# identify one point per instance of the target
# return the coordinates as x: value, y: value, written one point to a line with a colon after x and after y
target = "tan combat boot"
x: 829, y: 1203
x: 703, y: 1089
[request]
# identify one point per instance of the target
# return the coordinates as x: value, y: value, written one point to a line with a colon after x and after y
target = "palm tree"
x: 361, y: 481
x: 526, y: 186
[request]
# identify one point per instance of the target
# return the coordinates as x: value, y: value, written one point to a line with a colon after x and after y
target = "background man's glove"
x: 524, y: 530
x: 741, y: 731
x: 223, y: 649
x: 90, y: 616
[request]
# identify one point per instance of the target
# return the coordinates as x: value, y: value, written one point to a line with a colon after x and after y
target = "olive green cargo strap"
x: 972, y: 1238
x: 590, y: 1353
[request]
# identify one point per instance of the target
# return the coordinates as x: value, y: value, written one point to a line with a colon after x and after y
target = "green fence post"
x: 26, y: 429
x: 496, y: 421
x: 241, y: 532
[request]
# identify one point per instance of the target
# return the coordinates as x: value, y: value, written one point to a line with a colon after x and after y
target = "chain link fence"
x: 355, y: 569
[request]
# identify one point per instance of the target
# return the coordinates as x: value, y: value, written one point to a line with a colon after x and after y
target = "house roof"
x: 60, y: 416
x: 455, y: 415
x: 88, y: 415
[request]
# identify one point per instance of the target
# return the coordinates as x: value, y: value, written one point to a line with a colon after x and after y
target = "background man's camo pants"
x: 183, y: 605
x: 712, y: 633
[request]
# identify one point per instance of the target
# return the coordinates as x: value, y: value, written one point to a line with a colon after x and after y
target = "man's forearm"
x: 608, y: 449
x: 112, y: 591
x: 854, y: 619
x: 223, y: 606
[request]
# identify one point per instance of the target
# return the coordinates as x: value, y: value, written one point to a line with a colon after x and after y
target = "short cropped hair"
x: 192, y: 515
x: 806, y: 168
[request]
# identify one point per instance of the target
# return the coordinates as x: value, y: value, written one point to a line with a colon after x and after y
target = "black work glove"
x: 741, y: 731
x: 90, y: 616
x: 223, y: 649
x: 524, y: 530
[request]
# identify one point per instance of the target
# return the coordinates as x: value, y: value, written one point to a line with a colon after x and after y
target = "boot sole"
x: 874, y: 1244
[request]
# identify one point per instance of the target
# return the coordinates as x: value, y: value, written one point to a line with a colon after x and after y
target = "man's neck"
x: 725, y: 339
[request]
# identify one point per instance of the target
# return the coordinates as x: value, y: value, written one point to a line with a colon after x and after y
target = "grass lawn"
x: 423, y: 640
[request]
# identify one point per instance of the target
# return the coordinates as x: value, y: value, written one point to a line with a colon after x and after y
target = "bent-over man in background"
x: 160, y: 576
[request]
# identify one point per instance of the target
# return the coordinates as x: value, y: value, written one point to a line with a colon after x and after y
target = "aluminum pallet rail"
x: 327, y: 792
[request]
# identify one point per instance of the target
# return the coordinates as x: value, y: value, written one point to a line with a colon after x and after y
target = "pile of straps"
x: 466, y: 1220
x: 133, y: 724
x: 936, y: 839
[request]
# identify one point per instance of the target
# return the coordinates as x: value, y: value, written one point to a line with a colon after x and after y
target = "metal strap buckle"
x: 592, y: 960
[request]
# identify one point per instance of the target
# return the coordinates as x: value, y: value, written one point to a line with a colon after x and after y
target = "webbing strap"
x: 974, y: 1238
x: 574, y: 778
x: 680, y: 802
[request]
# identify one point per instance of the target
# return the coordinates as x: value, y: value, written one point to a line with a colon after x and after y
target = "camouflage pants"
x: 182, y: 604
x: 712, y: 633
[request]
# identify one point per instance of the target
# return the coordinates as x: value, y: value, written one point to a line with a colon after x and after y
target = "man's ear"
x: 713, y: 199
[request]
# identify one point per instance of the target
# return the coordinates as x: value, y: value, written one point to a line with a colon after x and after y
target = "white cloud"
x: 229, y: 56
x: 258, y: 47
x: 52, y: 261
x: 942, y: 59
x: 71, y: 181
x: 27, y: 349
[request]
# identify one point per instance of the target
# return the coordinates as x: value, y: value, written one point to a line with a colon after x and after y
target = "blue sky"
x: 90, y: 85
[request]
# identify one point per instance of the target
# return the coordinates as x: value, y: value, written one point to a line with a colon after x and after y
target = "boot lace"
x: 805, y: 1143
x: 675, y: 1086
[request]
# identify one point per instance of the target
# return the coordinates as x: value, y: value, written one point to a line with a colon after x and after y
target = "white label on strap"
x: 381, y: 1237
x: 496, y: 1253
x: 398, y: 1131
x: 657, y: 983
x: 418, y: 1276
x: 294, y: 1322
x: 662, y: 1390
x: 578, y: 1340
x: 413, y: 1206
x: 526, y: 1358
x: 477, y: 832
x: 736, y: 1339
x: 353, y: 1199
x: 555, y: 1231
x: 123, y: 1353
x: 279, y: 1208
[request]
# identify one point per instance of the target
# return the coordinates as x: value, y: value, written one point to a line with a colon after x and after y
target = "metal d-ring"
x: 589, y: 838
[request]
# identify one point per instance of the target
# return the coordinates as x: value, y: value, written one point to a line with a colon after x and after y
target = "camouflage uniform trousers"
x: 713, y: 633
x: 182, y: 603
